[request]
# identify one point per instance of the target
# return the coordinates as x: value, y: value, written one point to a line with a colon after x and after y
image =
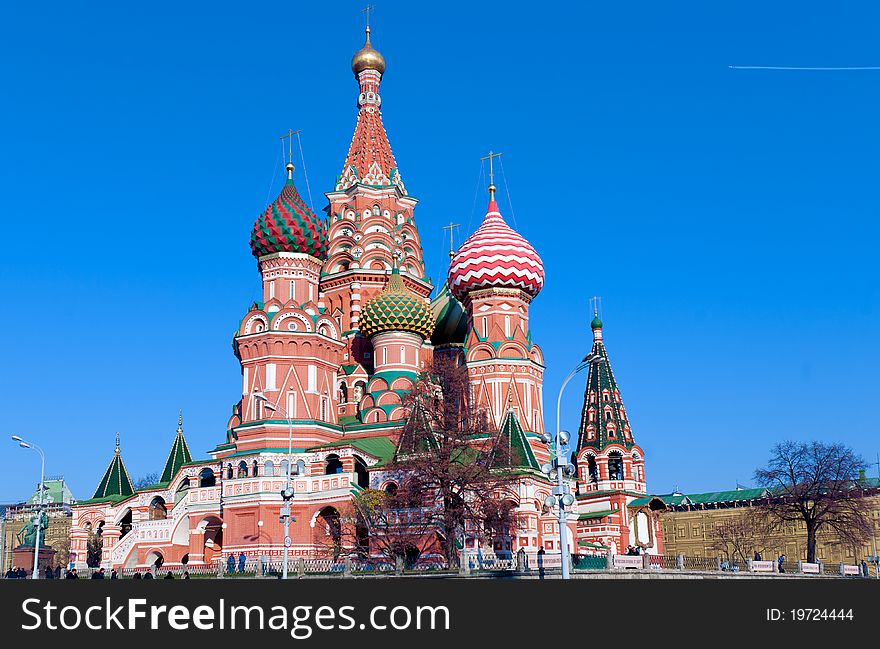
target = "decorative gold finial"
x: 180, y: 421
x: 117, y: 442
x: 489, y: 157
x: 289, y: 137
x: 367, y: 58
x: 451, y: 246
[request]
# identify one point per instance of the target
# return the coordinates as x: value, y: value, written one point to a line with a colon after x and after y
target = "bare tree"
x: 453, y: 459
x: 738, y: 537
x: 147, y: 480
x: 817, y: 484
x: 387, y: 525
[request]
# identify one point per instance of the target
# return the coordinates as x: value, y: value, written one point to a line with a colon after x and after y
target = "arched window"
x: 255, y: 469
x: 158, y: 511
x: 229, y: 472
x: 180, y: 494
x: 615, y: 466
x: 333, y: 465
x: 360, y: 470
x: 242, y: 469
x: 284, y: 465
x: 125, y: 524
x: 592, y: 469
x: 207, y: 478
x: 343, y: 392
x: 391, y: 489
x: 269, y: 468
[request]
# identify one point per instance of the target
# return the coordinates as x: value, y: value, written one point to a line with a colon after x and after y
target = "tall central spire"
x: 370, y: 160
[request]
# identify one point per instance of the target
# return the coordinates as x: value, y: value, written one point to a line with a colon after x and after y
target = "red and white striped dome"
x: 495, y: 256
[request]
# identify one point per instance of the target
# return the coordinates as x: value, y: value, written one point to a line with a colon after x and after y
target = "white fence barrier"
x: 628, y: 561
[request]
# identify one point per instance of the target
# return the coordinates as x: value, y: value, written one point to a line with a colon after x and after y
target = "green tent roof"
x: 608, y: 413
x: 178, y: 456
x: 115, y: 482
x: 511, y: 449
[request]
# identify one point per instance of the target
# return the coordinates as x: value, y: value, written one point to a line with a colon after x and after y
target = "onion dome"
x: 396, y: 308
x: 450, y: 319
x: 495, y: 256
x: 367, y: 58
x: 596, y: 323
x: 288, y: 225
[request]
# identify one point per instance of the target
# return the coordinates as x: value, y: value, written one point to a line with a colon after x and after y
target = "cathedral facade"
x: 342, y: 331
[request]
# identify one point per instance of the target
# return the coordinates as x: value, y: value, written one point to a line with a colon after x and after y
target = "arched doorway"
x: 361, y: 474
x: 329, y: 530
x: 158, y: 510
x: 333, y: 464
x: 213, y: 538
x: 154, y: 559
x: 125, y: 524
x: 207, y: 478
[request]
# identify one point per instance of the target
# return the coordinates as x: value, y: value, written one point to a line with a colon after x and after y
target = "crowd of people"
x: 17, y: 572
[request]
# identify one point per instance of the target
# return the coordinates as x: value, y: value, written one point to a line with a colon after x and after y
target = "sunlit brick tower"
x: 370, y: 223
x: 611, y: 466
x: 496, y: 274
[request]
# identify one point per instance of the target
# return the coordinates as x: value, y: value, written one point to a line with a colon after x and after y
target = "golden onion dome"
x: 367, y: 58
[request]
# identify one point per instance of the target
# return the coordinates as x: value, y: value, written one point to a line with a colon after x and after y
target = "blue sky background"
x: 729, y: 219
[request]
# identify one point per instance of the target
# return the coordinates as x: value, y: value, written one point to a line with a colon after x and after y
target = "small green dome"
x: 596, y: 323
x: 450, y: 319
x: 396, y: 308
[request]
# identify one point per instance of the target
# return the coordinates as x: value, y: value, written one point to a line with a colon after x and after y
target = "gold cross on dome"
x: 489, y: 157
x: 289, y: 137
x: 450, y: 228
x: 366, y: 10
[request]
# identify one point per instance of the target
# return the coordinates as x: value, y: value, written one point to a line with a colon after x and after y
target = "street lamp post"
x: 287, y: 492
x: 559, y: 466
x: 35, y: 574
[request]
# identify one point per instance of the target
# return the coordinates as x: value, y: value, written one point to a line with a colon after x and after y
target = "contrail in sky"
x: 782, y: 67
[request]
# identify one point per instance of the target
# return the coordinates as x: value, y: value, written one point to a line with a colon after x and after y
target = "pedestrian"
x: 98, y: 574
x: 148, y: 575
x: 186, y: 574
x: 10, y: 574
x: 71, y: 574
x: 114, y: 574
x: 781, y: 562
x: 230, y: 564
x: 757, y: 556
x: 137, y: 575
x: 864, y: 566
x: 241, y: 561
x: 58, y: 571
x: 50, y: 574
x: 169, y: 575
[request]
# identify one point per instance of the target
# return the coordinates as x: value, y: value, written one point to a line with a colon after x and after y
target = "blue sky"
x: 728, y: 218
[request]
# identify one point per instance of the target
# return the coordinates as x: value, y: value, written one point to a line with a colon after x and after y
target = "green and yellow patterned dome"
x: 396, y: 308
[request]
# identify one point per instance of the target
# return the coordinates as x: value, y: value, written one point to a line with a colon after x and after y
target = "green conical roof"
x: 603, y: 417
x: 178, y: 456
x: 396, y: 308
x: 512, y: 449
x: 417, y: 436
x: 115, y: 482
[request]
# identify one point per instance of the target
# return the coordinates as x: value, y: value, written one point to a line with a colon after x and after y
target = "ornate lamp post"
x: 39, y: 517
x: 287, y: 492
x: 559, y: 466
